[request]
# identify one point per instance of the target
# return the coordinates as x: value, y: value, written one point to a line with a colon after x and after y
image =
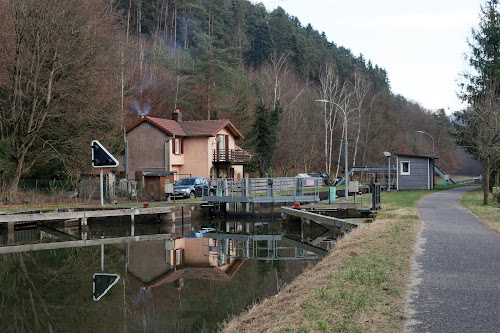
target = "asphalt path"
x: 456, y: 282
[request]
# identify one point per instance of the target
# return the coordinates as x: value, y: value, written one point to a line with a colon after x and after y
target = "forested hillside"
x: 211, y: 59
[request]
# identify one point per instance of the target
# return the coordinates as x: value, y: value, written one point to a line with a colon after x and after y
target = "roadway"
x: 456, y: 285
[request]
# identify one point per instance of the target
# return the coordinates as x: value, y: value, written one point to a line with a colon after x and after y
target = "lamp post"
x: 346, y: 192
x: 432, y: 141
x: 388, y: 155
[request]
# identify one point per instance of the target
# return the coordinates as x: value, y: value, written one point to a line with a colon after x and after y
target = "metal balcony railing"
x: 231, y: 156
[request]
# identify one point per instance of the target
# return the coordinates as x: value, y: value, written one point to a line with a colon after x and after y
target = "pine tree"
x: 264, y: 136
x: 480, y: 133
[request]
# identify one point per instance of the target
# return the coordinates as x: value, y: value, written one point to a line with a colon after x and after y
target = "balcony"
x: 231, y: 156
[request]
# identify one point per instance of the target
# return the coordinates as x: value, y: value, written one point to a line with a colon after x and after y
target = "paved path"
x: 458, y: 277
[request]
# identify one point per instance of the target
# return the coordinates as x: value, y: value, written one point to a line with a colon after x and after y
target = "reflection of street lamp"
x: 432, y: 141
x: 346, y: 181
x: 388, y: 155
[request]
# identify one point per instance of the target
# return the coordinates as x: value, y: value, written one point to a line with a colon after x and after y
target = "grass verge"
x: 489, y: 215
x: 360, y: 286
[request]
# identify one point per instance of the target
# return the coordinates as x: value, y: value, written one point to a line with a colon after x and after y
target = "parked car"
x: 192, y: 187
x: 302, y: 175
x: 323, y: 176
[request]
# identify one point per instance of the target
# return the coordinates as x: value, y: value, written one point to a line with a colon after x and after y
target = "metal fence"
x: 262, y: 190
x: 85, y: 190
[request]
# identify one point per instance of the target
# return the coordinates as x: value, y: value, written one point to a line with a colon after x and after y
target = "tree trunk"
x: 486, y: 185
x: 357, y: 138
x: 13, y: 187
x: 209, y: 83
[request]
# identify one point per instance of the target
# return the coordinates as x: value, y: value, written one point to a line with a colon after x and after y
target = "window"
x: 177, y: 146
x: 405, y: 168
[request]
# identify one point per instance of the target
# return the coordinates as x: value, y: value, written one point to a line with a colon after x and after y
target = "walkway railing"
x: 262, y: 190
x: 260, y: 247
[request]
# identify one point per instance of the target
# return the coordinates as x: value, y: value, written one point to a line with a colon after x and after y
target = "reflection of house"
x: 157, y: 262
x: 415, y: 172
x: 199, y: 148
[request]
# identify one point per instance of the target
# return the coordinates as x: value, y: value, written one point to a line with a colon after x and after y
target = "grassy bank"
x: 360, y: 286
x: 490, y: 215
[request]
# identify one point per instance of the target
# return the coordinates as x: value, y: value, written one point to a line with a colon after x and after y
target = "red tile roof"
x: 208, y: 127
x: 189, y: 128
x: 171, y: 127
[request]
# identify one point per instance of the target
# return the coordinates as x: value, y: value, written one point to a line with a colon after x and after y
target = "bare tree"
x: 278, y: 83
x: 298, y: 141
x: 58, y: 62
x: 332, y: 90
x: 361, y: 88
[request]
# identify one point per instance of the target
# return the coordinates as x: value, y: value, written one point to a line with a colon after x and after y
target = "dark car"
x: 192, y: 187
x: 322, y: 175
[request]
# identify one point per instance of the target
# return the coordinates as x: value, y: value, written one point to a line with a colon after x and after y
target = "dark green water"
x: 188, y: 283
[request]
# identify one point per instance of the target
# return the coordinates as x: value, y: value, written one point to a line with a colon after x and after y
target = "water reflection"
x: 201, y: 273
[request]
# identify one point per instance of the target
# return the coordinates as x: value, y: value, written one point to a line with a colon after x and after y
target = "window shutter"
x: 182, y: 145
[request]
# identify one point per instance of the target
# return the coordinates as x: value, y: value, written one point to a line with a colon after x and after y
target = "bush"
x: 496, y: 197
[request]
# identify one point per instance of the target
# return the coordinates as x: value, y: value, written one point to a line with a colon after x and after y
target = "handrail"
x: 231, y: 156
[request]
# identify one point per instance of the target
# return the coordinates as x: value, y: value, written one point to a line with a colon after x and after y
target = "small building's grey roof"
x: 417, y: 156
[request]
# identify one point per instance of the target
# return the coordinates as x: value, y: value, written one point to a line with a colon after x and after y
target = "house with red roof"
x: 155, y: 263
x: 204, y: 148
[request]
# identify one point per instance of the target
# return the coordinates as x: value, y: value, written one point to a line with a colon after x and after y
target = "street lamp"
x: 346, y: 192
x: 432, y: 141
x: 388, y: 155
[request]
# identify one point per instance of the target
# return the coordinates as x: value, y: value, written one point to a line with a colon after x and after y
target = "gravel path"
x: 456, y: 283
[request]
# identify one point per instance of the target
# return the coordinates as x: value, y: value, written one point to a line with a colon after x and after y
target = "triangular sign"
x: 102, y: 282
x: 101, y: 158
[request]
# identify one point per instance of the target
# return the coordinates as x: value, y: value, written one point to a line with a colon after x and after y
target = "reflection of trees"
x: 24, y: 307
x: 46, y: 291
x: 263, y: 267
x: 279, y: 266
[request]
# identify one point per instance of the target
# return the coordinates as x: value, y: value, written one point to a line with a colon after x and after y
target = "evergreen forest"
x: 73, y: 72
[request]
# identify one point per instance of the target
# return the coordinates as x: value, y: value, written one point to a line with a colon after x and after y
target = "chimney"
x: 177, y: 115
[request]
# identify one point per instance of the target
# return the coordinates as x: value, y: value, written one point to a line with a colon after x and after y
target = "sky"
x: 421, y: 44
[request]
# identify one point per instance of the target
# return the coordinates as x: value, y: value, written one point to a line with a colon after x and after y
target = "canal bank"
x: 360, y: 286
